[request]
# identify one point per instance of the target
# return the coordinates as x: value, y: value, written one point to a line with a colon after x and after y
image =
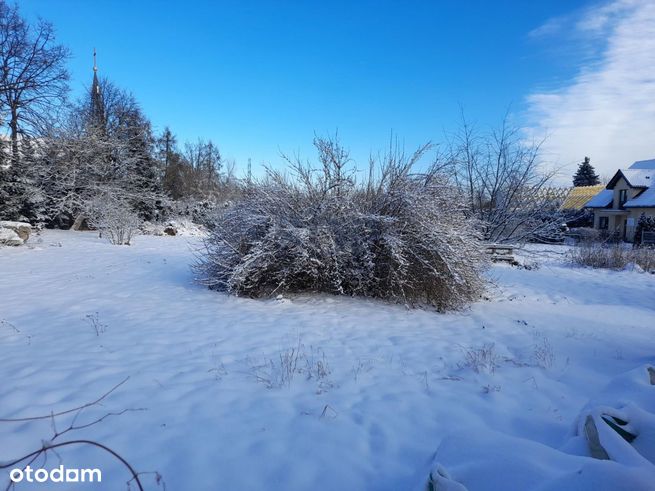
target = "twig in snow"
x: 68, y: 411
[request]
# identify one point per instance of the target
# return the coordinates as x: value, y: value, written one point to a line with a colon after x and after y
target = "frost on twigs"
x: 280, y: 371
x: 114, y: 218
x: 481, y: 360
x: 396, y: 235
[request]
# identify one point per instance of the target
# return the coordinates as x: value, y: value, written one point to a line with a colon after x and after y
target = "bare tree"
x: 85, y: 158
x: 505, y: 184
x: 80, y: 166
x: 206, y: 161
x: 33, y: 76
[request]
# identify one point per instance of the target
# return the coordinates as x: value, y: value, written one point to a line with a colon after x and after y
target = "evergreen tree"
x: 174, y: 170
x: 20, y: 196
x: 586, y: 174
x: 166, y: 147
x: 646, y: 223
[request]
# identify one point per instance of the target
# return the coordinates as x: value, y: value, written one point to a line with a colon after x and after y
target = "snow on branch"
x: 398, y: 234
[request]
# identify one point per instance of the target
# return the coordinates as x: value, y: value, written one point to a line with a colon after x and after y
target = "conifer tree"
x: 586, y: 174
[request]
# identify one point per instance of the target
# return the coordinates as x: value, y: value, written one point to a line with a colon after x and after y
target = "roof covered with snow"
x: 644, y: 200
x: 601, y: 200
x: 643, y: 164
x: 638, y: 178
x: 640, y: 174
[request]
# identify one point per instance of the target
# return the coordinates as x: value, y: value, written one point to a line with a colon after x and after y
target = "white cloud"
x: 548, y: 28
x: 607, y: 111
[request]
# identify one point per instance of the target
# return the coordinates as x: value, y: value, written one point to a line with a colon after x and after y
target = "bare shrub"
x: 543, y: 353
x: 94, y: 320
x: 61, y: 438
x: 598, y: 255
x: 398, y: 236
x: 612, y: 256
x: 316, y: 365
x: 362, y: 366
x: 292, y: 362
x: 584, y: 234
x: 488, y: 389
x: 482, y: 359
x: 644, y: 257
x: 114, y: 218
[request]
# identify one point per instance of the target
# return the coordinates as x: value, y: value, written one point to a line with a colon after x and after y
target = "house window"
x: 623, y: 197
x: 603, y: 223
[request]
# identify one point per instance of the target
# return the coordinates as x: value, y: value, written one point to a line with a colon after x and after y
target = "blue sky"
x: 260, y: 77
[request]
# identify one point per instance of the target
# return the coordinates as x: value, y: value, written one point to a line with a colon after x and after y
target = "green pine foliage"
x: 586, y: 174
x: 645, y: 224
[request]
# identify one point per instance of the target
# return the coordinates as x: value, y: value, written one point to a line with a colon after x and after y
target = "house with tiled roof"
x: 628, y: 195
x: 577, y: 197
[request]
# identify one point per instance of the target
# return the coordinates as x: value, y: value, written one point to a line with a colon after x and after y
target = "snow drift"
x: 611, y: 447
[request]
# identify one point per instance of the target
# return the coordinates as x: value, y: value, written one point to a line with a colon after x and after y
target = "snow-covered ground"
x: 313, y: 392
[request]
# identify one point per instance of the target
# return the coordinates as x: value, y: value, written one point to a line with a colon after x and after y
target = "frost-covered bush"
x: 200, y: 212
x: 599, y: 255
x: 115, y: 218
x: 612, y: 255
x: 482, y: 359
x: 585, y: 234
x: 397, y: 235
x: 644, y: 257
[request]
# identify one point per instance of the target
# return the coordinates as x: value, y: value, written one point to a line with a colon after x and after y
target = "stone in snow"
x: 22, y: 229
x: 9, y: 237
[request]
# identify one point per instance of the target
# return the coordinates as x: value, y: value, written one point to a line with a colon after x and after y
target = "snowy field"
x: 315, y: 392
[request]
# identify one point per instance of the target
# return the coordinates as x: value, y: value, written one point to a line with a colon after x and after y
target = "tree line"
x: 61, y: 159
x: 64, y: 161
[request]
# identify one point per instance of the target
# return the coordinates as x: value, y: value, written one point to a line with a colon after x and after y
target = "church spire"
x: 97, y: 104
x: 95, y: 89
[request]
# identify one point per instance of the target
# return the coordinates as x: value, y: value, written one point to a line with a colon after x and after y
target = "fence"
x: 647, y: 237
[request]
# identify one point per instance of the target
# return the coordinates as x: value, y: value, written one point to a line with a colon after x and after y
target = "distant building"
x: 577, y: 197
x: 628, y: 194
